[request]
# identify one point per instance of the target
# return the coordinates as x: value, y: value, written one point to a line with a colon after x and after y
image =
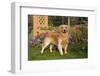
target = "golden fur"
x: 59, y: 38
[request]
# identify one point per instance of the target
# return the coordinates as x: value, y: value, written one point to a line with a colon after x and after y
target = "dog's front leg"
x: 51, y: 48
x: 65, y: 49
x: 60, y: 47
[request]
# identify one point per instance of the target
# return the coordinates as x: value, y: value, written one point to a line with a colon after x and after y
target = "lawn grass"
x: 34, y: 54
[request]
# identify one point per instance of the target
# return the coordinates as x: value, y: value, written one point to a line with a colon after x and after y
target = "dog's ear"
x: 59, y: 28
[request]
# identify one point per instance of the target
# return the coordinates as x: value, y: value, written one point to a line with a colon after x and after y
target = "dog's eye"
x: 61, y: 27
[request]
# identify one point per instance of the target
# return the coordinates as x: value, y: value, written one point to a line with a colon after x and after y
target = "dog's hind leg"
x: 46, y: 43
x: 51, y: 48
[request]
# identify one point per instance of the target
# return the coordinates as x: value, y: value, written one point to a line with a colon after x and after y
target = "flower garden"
x: 77, y: 48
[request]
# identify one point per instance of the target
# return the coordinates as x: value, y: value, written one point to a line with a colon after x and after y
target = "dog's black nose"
x: 64, y: 31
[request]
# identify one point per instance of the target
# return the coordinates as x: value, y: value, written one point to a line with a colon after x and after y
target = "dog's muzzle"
x: 64, y: 31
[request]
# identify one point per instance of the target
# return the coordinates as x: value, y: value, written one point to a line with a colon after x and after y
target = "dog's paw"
x: 41, y: 52
x: 50, y: 51
x: 65, y: 52
x: 61, y: 54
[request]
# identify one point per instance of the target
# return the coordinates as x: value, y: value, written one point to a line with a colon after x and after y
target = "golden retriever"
x: 59, y: 38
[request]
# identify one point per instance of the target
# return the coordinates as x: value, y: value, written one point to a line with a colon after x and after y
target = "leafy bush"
x: 79, y: 39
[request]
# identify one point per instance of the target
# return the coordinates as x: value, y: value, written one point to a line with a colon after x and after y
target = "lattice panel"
x: 38, y: 22
x: 41, y: 20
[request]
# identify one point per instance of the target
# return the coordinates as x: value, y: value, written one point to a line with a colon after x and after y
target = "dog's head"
x: 64, y: 29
